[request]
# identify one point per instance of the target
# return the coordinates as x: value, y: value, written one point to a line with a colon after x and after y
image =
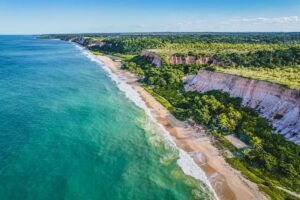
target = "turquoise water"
x: 67, y: 132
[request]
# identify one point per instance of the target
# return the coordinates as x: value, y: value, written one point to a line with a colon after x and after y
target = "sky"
x: 92, y: 16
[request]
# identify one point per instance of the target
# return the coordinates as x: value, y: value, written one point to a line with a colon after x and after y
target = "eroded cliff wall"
x: 155, y: 59
x: 274, y: 102
x: 175, y: 60
x: 178, y: 60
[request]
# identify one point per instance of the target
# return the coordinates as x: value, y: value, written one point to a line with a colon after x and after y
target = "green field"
x: 288, y: 77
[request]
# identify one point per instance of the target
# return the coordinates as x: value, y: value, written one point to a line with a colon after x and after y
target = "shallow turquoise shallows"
x: 67, y: 132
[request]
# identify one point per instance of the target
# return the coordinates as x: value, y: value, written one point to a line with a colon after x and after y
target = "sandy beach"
x: 227, y: 182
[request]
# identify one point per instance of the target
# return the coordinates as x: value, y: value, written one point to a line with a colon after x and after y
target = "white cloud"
x: 263, y: 20
x: 287, y: 19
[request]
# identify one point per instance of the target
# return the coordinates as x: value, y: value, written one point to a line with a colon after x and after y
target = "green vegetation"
x: 183, y: 38
x: 276, y: 63
x: 209, y: 49
x: 130, y: 45
x: 275, y: 55
x: 270, y: 160
x: 161, y: 100
x: 97, y: 53
x: 248, y: 55
x: 289, y: 77
x: 277, y: 58
x: 270, y: 189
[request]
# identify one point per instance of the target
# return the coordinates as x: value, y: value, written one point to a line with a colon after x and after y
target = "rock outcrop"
x: 279, y: 105
x: 175, y: 60
x: 155, y: 59
x: 98, y: 44
x: 79, y: 40
x: 178, y: 60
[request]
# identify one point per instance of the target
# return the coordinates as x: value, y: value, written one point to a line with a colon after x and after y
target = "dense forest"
x: 269, y: 160
x: 194, y: 37
x: 276, y: 62
x: 239, y: 49
x: 246, y: 55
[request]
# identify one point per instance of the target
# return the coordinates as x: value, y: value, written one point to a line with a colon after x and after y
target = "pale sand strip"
x: 228, y: 183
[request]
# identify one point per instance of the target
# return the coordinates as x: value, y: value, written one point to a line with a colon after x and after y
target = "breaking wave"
x: 185, y: 161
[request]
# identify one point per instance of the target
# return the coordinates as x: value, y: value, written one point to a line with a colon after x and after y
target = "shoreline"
x: 227, y: 183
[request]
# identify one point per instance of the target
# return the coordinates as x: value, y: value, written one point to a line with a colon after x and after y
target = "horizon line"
x: 143, y: 32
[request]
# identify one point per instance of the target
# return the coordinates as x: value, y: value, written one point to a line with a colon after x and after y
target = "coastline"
x: 227, y: 183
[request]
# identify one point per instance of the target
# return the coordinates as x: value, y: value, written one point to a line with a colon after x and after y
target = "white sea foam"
x: 185, y: 161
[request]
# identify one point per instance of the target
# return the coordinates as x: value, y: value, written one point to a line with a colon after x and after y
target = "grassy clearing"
x: 200, y: 47
x: 160, y: 99
x: 265, y: 185
x: 124, y: 56
x: 288, y: 77
x: 97, y: 53
x: 118, y: 55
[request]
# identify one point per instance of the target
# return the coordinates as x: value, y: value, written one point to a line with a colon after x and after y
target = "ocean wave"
x: 185, y: 161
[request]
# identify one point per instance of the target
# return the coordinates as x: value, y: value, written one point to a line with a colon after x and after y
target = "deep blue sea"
x: 68, y: 132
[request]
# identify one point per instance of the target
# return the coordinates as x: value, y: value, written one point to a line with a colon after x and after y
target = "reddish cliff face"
x: 177, y: 60
x: 156, y: 60
x: 274, y: 102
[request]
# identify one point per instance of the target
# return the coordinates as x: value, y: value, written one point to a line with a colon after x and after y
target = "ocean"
x: 69, y: 129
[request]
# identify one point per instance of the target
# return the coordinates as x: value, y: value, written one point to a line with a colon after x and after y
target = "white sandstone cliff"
x: 271, y: 100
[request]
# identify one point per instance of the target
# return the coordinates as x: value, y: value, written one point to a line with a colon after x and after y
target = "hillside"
x: 275, y: 57
x: 279, y: 105
x: 270, y: 160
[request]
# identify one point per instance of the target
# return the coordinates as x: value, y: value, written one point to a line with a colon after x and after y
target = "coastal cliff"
x: 175, y: 60
x: 279, y: 105
x: 179, y: 60
x: 155, y: 59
